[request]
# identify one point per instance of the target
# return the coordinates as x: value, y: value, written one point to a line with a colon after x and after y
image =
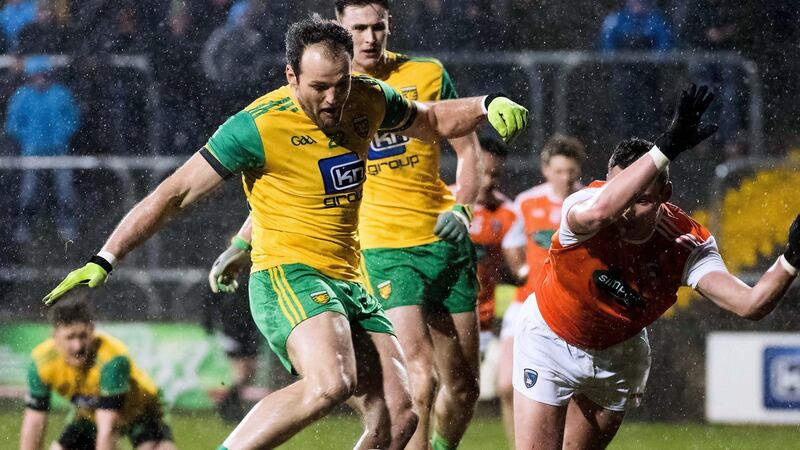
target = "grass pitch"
x: 205, y: 431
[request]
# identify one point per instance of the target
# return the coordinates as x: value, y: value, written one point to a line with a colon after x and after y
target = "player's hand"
x: 453, y: 225
x: 228, y: 265
x: 792, y: 253
x: 507, y: 117
x: 91, y: 275
x: 684, y: 132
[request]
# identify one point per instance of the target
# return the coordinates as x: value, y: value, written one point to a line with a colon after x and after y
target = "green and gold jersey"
x: 113, y: 381
x: 305, y: 186
x: 403, y: 194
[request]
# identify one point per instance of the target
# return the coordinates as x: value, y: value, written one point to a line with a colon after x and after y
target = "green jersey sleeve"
x: 400, y: 113
x: 115, y: 377
x: 448, y: 88
x: 38, y: 397
x: 237, y: 144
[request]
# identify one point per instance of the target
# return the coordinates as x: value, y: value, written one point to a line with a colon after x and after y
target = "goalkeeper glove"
x: 222, y: 277
x: 792, y: 253
x: 453, y: 225
x: 684, y: 132
x: 93, y: 274
x: 507, y: 117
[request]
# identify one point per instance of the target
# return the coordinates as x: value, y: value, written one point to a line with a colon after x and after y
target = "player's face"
x: 562, y: 173
x: 74, y: 341
x: 638, y: 222
x: 369, y: 25
x: 323, y: 85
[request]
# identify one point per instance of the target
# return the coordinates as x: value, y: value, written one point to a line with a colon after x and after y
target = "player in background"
x: 581, y: 354
x: 492, y: 218
x: 110, y: 395
x: 301, y: 150
x: 538, y: 213
x: 418, y: 259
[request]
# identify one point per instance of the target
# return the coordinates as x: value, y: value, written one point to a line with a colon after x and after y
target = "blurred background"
x: 127, y: 90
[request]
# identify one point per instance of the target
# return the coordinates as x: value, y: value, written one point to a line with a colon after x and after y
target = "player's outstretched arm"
x: 459, y: 117
x: 34, y: 424
x: 192, y: 181
x: 228, y: 265
x: 753, y: 303
x: 682, y: 134
x: 453, y: 225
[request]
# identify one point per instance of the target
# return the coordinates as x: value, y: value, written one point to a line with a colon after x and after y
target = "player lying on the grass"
x: 301, y: 149
x: 110, y: 396
x: 581, y: 355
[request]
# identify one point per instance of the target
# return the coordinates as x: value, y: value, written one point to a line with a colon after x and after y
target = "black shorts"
x: 241, y: 337
x: 82, y: 433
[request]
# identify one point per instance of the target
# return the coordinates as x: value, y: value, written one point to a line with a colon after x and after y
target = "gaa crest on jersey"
x: 342, y: 173
x: 530, y: 376
x: 320, y: 297
x: 385, y: 145
x: 385, y: 289
x: 361, y: 126
x: 410, y: 92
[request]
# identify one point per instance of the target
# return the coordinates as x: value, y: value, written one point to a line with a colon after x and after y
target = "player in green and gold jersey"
x: 94, y: 371
x: 301, y: 150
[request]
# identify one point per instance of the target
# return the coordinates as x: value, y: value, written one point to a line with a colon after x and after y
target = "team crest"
x: 530, y: 376
x: 320, y: 297
x: 361, y: 125
x: 410, y: 92
x: 337, y: 139
x: 385, y: 289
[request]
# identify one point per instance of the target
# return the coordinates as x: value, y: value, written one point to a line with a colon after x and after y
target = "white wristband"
x: 483, y: 105
x: 659, y: 158
x: 108, y: 257
x: 523, y: 271
x: 792, y: 270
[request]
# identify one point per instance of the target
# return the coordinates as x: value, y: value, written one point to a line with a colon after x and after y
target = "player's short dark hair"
x: 342, y: 4
x: 628, y: 151
x: 73, y: 307
x: 315, y: 30
x: 563, y: 145
x: 493, y: 146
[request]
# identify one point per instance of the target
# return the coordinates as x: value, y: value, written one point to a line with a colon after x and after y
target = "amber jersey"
x: 304, y: 186
x: 572, y: 291
x: 403, y: 194
x: 111, y: 381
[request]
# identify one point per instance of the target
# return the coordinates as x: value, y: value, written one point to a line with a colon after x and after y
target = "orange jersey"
x: 538, y: 215
x: 578, y: 308
x: 487, y: 232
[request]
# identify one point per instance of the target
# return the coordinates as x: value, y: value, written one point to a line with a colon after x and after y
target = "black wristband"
x: 100, y: 261
x: 488, y: 99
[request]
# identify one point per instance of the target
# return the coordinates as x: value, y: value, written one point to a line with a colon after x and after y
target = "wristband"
x: 463, y: 213
x: 523, y: 271
x: 102, y: 262
x: 241, y: 244
x: 488, y: 99
x: 108, y: 256
x: 659, y: 158
x: 787, y: 266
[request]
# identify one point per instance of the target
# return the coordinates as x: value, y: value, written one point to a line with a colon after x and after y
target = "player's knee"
x: 424, y: 390
x: 332, y: 391
x: 404, y: 424
x: 465, y: 390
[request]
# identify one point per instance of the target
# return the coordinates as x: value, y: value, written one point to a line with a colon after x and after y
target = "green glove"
x: 92, y: 275
x: 222, y: 277
x: 507, y: 117
x: 453, y: 225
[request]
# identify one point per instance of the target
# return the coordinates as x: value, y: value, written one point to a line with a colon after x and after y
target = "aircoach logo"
x: 341, y: 173
x: 386, y: 145
x: 302, y: 140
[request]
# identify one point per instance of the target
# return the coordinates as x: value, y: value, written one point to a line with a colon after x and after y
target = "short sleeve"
x: 38, y: 396
x: 565, y: 235
x: 515, y: 237
x: 400, y: 112
x: 448, y: 88
x: 115, y: 377
x: 237, y: 144
x: 703, y: 260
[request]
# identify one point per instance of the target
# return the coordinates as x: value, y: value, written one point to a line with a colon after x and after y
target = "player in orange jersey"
x: 581, y: 354
x: 538, y: 213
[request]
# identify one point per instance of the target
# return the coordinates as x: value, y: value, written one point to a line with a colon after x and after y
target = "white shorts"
x: 510, y: 320
x: 550, y: 371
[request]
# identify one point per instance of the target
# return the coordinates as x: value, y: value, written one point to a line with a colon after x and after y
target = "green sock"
x: 440, y: 443
x: 222, y: 447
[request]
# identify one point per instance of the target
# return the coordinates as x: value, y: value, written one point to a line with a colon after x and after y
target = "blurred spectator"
x: 177, y: 75
x: 13, y: 18
x: 207, y: 15
x: 638, y: 26
x: 235, y: 62
x: 42, y: 118
x: 44, y: 36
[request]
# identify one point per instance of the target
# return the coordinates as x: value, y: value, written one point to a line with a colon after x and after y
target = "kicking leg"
x: 537, y: 425
x: 589, y: 425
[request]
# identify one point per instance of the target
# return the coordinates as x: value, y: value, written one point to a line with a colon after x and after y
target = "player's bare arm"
x: 107, y: 432
x: 683, y: 133
x: 34, y: 424
x: 468, y: 168
x: 516, y: 260
x: 732, y: 294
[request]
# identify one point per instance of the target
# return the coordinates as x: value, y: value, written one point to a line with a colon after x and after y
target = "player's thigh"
x: 398, y: 276
x: 381, y: 369
x: 589, y: 425
x: 322, y: 347
x: 456, y: 345
x: 537, y: 425
x: 413, y: 335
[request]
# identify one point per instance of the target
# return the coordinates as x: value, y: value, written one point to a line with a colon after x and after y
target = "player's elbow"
x: 753, y: 312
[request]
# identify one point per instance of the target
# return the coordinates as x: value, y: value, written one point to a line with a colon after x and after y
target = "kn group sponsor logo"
x: 386, y: 145
x: 782, y: 377
x: 342, y: 173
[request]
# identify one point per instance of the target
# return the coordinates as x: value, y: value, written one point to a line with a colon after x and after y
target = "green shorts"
x: 82, y: 433
x: 284, y: 296
x: 440, y: 276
